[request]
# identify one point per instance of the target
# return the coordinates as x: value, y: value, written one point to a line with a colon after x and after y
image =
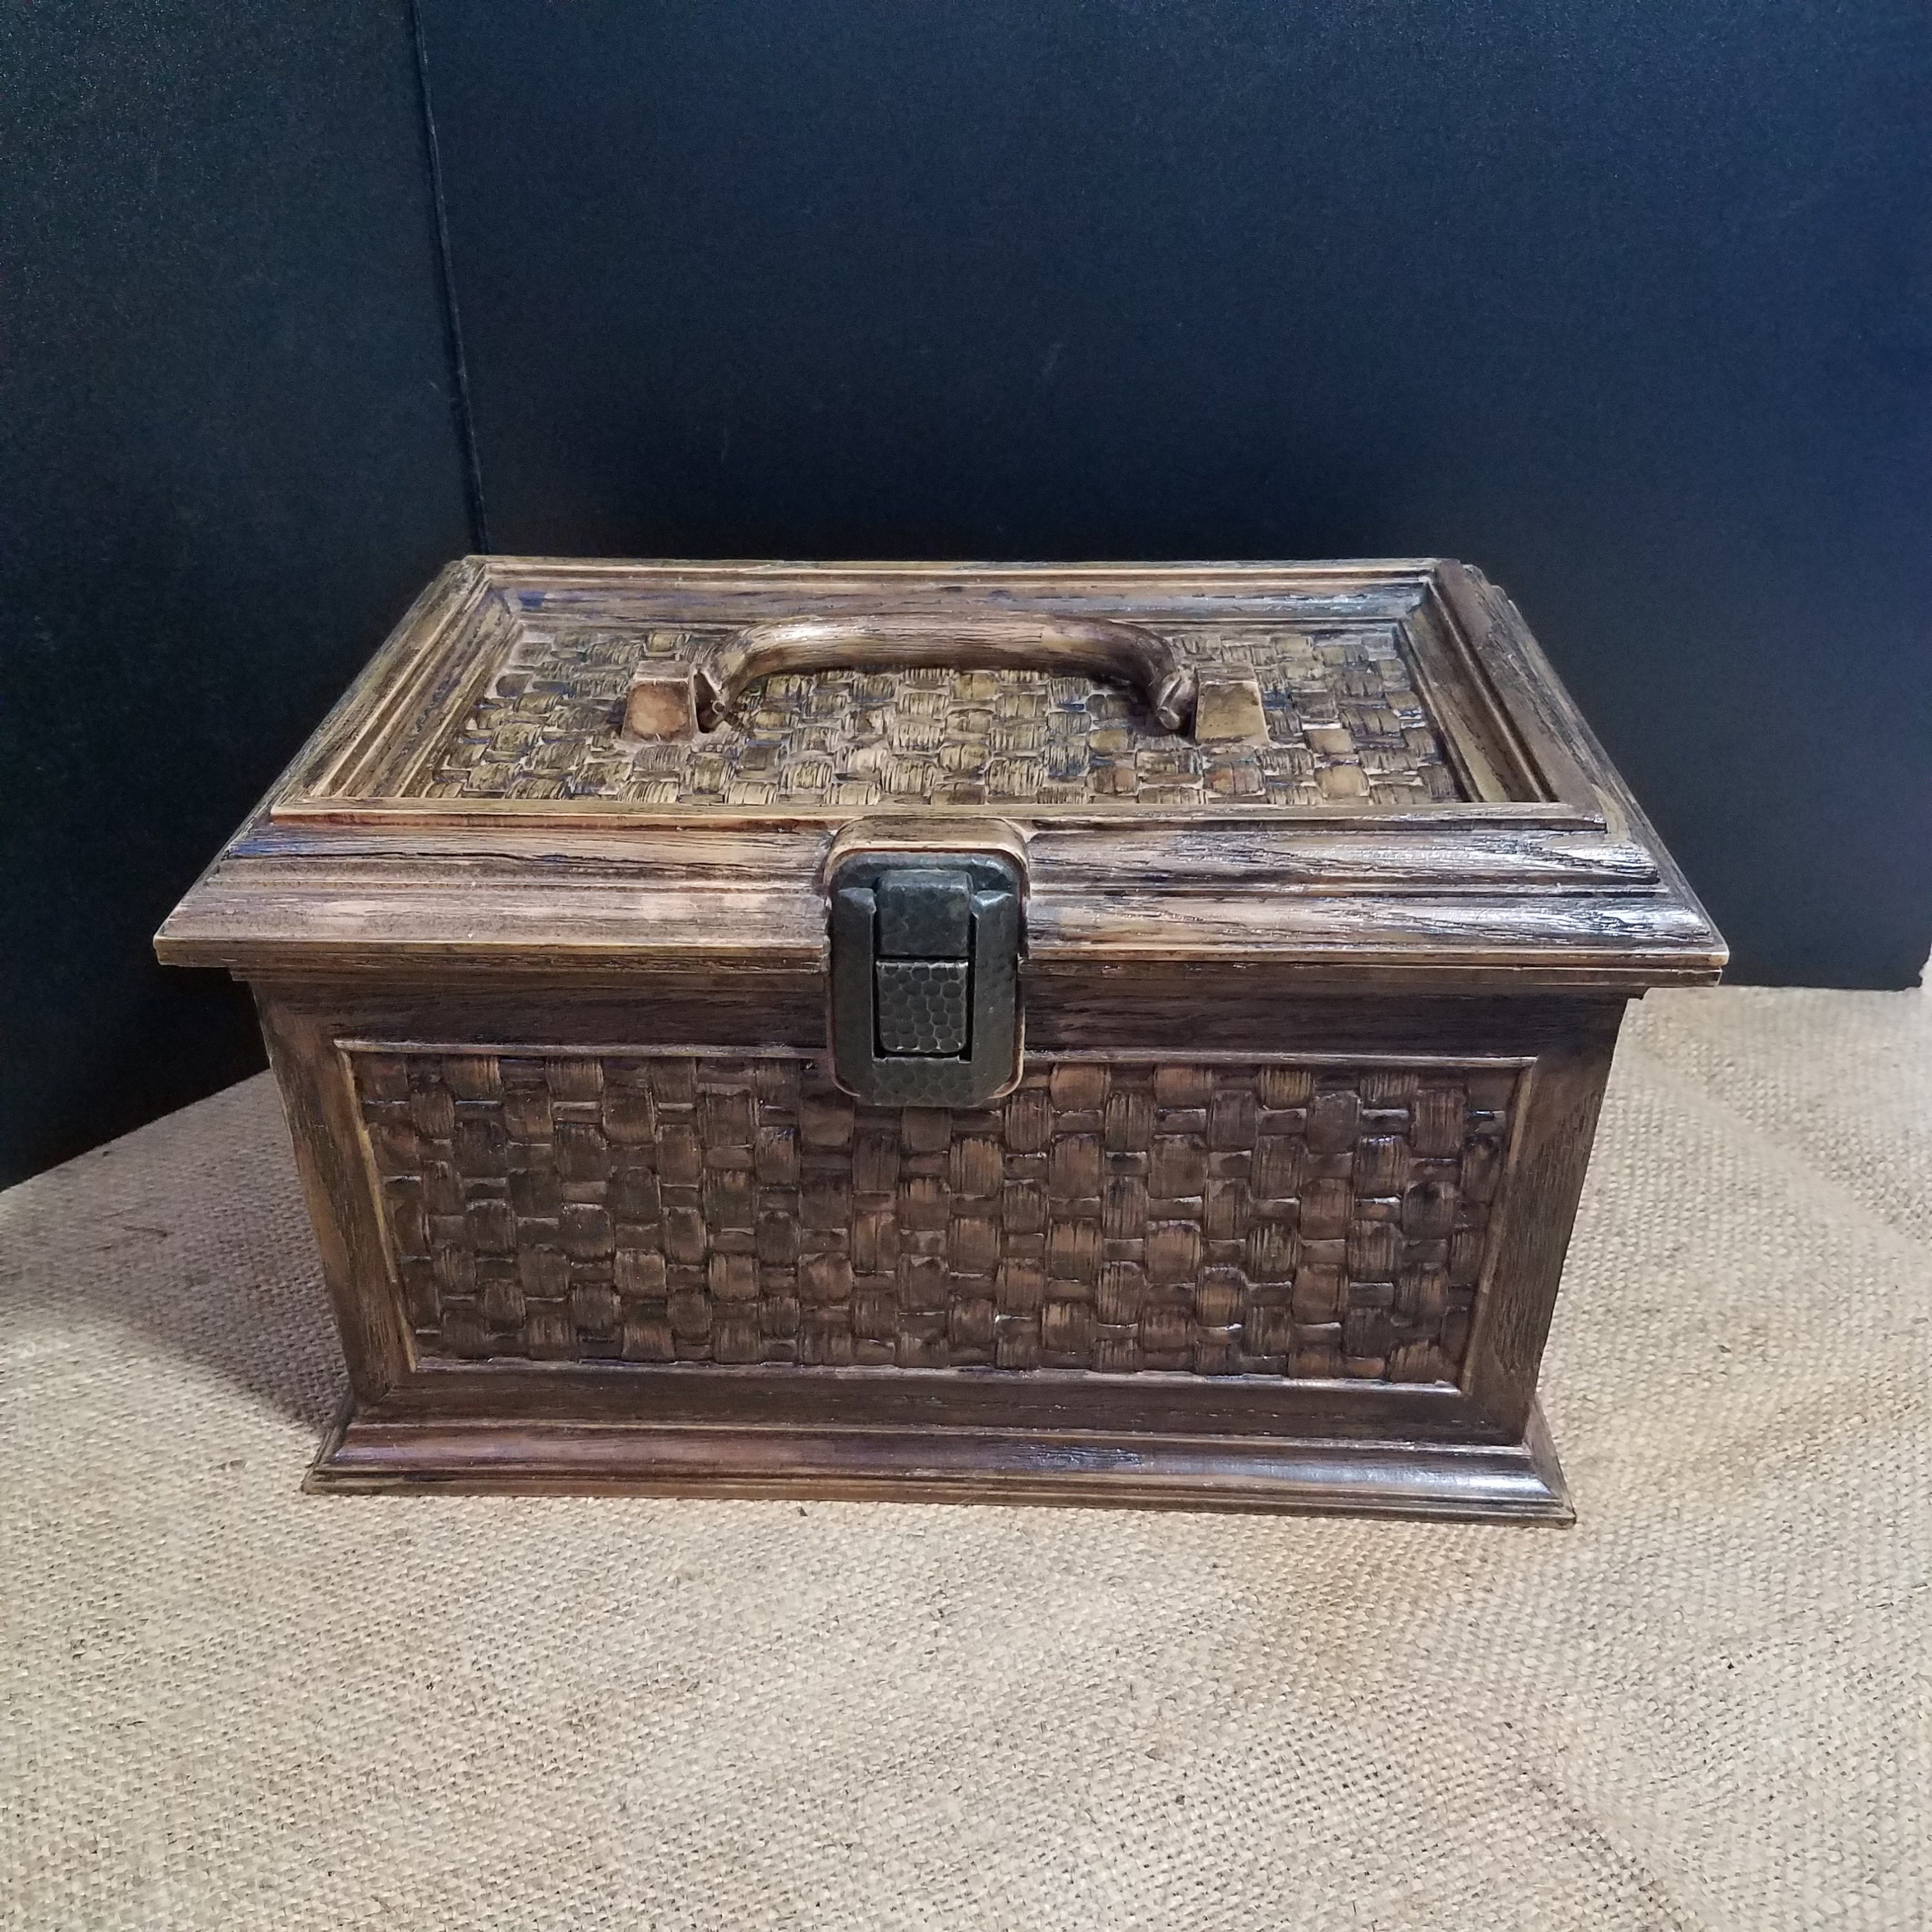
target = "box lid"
x: 1345, y: 767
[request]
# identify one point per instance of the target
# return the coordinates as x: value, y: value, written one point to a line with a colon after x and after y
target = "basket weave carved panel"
x: 1254, y: 1218
x: 1345, y: 725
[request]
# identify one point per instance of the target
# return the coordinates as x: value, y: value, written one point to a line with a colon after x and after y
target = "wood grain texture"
x: 331, y: 1158
x: 1481, y: 837
x: 1332, y: 646
x: 1277, y: 1216
x: 590, y: 1419
x: 1159, y: 673
x: 1509, y: 1482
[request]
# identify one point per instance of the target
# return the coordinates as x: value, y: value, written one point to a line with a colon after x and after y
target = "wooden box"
x: 1117, y: 1034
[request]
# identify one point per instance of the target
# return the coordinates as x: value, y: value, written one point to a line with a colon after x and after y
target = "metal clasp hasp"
x: 926, y: 949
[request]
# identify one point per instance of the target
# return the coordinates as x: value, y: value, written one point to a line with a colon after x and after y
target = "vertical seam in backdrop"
x: 452, y: 322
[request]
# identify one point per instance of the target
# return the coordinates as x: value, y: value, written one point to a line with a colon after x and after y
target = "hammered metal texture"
x: 919, y: 1005
x: 1257, y: 1218
x: 924, y: 914
x: 1346, y: 726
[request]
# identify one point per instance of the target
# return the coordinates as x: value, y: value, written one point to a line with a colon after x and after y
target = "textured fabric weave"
x: 1708, y: 1706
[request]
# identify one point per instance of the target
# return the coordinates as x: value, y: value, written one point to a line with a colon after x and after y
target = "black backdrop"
x: 1630, y: 306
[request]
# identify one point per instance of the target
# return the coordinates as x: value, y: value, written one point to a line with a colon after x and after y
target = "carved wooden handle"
x: 1097, y: 647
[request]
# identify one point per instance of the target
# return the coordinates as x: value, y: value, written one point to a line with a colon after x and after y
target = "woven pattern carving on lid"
x: 1253, y: 1218
x: 1345, y: 725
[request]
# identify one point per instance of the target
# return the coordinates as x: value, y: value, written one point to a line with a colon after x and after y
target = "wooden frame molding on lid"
x: 1538, y: 871
x: 374, y: 757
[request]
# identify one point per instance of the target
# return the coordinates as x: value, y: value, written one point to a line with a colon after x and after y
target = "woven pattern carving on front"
x: 1346, y: 726
x: 1253, y: 1218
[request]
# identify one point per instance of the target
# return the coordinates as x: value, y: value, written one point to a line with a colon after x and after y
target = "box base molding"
x: 1517, y: 1482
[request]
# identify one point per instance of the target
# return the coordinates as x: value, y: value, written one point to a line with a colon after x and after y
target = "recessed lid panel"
x: 1318, y: 689
x: 1344, y: 723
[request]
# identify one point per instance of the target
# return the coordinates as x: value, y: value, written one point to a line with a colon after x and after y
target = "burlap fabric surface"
x: 1707, y: 1705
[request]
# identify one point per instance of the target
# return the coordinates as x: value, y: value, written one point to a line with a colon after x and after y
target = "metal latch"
x: 925, y: 977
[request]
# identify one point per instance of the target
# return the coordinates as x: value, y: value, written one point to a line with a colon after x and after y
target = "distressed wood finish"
x: 1321, y: 991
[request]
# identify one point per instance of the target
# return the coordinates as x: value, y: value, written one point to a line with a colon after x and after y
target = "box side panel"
x: 542, y: 1205
x: 332, y: 1156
